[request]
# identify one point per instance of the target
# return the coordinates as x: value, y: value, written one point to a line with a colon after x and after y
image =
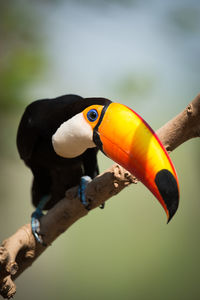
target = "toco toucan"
x: 59, y: 138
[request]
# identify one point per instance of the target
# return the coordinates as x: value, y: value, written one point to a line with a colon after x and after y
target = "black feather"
x: 52, y: 174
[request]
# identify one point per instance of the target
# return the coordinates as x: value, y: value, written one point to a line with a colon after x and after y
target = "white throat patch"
x: 73, y: 137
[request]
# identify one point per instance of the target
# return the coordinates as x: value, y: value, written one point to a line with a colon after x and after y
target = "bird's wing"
x: 27, y: 135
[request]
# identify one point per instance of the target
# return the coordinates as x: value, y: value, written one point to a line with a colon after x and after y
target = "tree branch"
x: 19, y: 251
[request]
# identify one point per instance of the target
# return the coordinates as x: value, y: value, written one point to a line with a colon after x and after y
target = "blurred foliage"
x: 21, y: 55
x: 22, y: 61
x: 186, y: 18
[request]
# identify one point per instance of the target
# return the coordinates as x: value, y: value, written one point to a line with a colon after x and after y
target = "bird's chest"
x: 67, y: 173
x: 63, y: 177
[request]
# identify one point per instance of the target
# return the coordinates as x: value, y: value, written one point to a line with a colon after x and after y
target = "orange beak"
x: 128, y: 140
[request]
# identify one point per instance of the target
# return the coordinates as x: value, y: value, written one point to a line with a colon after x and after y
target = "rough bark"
x: 20, y: 250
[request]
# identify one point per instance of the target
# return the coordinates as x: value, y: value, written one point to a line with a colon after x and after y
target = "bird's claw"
x: 102, y: 206
x: 35, y: 219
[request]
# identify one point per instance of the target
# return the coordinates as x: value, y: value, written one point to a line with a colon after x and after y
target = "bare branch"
x: 183, y: 127
x: 20, y: 250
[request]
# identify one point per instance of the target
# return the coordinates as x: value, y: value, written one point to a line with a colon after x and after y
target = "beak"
x: 128, y: 140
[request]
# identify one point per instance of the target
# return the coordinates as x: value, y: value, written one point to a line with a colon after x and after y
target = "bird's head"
x: 126, y: 138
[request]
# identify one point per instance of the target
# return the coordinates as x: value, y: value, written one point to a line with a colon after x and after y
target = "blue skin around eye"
x: 94, y: 112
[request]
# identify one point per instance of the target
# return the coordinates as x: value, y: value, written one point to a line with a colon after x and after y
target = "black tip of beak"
x: 168, y: 188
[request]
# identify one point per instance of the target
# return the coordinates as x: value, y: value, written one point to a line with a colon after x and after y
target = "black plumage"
x: 52, y: 174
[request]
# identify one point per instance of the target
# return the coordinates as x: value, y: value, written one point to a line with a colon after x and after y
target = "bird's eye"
x: 92, y: 115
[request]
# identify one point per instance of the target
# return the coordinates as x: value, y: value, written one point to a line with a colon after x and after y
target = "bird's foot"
x: 35, y: 225
x: 35, y: 220
x: 81, y: 191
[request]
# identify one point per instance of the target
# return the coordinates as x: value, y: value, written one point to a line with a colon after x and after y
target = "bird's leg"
x: 35, y: 219
x: 81, y: 191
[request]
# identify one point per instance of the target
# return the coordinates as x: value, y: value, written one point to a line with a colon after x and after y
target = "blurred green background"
x: 145, y: 54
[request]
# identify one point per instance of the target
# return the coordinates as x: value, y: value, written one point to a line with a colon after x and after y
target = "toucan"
x: 58, y: 139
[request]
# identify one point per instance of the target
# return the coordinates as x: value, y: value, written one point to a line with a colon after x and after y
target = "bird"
x: 59, y: 138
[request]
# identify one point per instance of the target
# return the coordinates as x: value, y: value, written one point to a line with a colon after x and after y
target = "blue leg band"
x: 81, y: 191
